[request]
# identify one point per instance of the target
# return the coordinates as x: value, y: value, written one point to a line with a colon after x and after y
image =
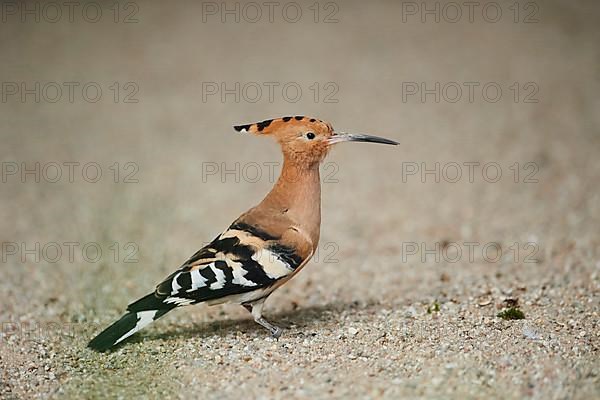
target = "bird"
x: 263, y: 248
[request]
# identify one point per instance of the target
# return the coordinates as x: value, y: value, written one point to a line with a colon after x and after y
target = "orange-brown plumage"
x: 293, y: 207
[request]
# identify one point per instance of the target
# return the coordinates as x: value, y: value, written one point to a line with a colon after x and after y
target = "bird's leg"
x: 256, y: 311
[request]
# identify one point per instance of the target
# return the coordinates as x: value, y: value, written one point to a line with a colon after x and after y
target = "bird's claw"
x: 276, y: 332
x: 274, y: 329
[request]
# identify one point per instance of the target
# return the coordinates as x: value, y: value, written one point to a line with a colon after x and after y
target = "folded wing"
x: 241, y: 260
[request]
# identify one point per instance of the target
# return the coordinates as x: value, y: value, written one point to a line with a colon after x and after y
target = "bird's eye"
x: 310, y: 135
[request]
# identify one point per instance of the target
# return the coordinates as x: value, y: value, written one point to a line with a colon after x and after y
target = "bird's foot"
x: 256, y: 311
x: 274, y: 329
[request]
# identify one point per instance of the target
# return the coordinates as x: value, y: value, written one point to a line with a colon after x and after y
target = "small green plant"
x: 435, y: 307
x: 511, y: 313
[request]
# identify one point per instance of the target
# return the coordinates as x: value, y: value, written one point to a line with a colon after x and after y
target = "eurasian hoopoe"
x: 264, y: 248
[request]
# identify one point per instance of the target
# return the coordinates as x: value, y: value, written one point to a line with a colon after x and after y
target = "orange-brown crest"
x: 303, y: 140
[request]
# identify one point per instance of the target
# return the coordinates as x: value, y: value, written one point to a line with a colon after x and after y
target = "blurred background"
x: 119, y: 161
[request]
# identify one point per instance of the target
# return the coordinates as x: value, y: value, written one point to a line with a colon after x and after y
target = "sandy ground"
x: 395, y: 305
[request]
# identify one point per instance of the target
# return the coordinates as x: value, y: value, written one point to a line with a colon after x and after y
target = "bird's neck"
x: 297, y: 194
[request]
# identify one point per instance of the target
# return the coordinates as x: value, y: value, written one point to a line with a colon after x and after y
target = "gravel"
x: 368, y: 318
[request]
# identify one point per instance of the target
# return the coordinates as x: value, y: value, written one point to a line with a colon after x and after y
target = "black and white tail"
x: 139, y: 314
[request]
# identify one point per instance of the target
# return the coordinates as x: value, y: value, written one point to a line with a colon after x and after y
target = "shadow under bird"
x: 263, y: 249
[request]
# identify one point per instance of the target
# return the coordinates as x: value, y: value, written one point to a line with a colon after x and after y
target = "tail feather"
x: 140, y: 314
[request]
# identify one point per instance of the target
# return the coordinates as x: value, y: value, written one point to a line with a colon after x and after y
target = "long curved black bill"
x: 354, y: 137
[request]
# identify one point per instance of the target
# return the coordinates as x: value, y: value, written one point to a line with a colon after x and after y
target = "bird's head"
x: 305, y: 140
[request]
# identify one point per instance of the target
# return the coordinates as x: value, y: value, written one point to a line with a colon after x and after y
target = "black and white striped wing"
x: 238, y: 262
x: 242, y: 265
